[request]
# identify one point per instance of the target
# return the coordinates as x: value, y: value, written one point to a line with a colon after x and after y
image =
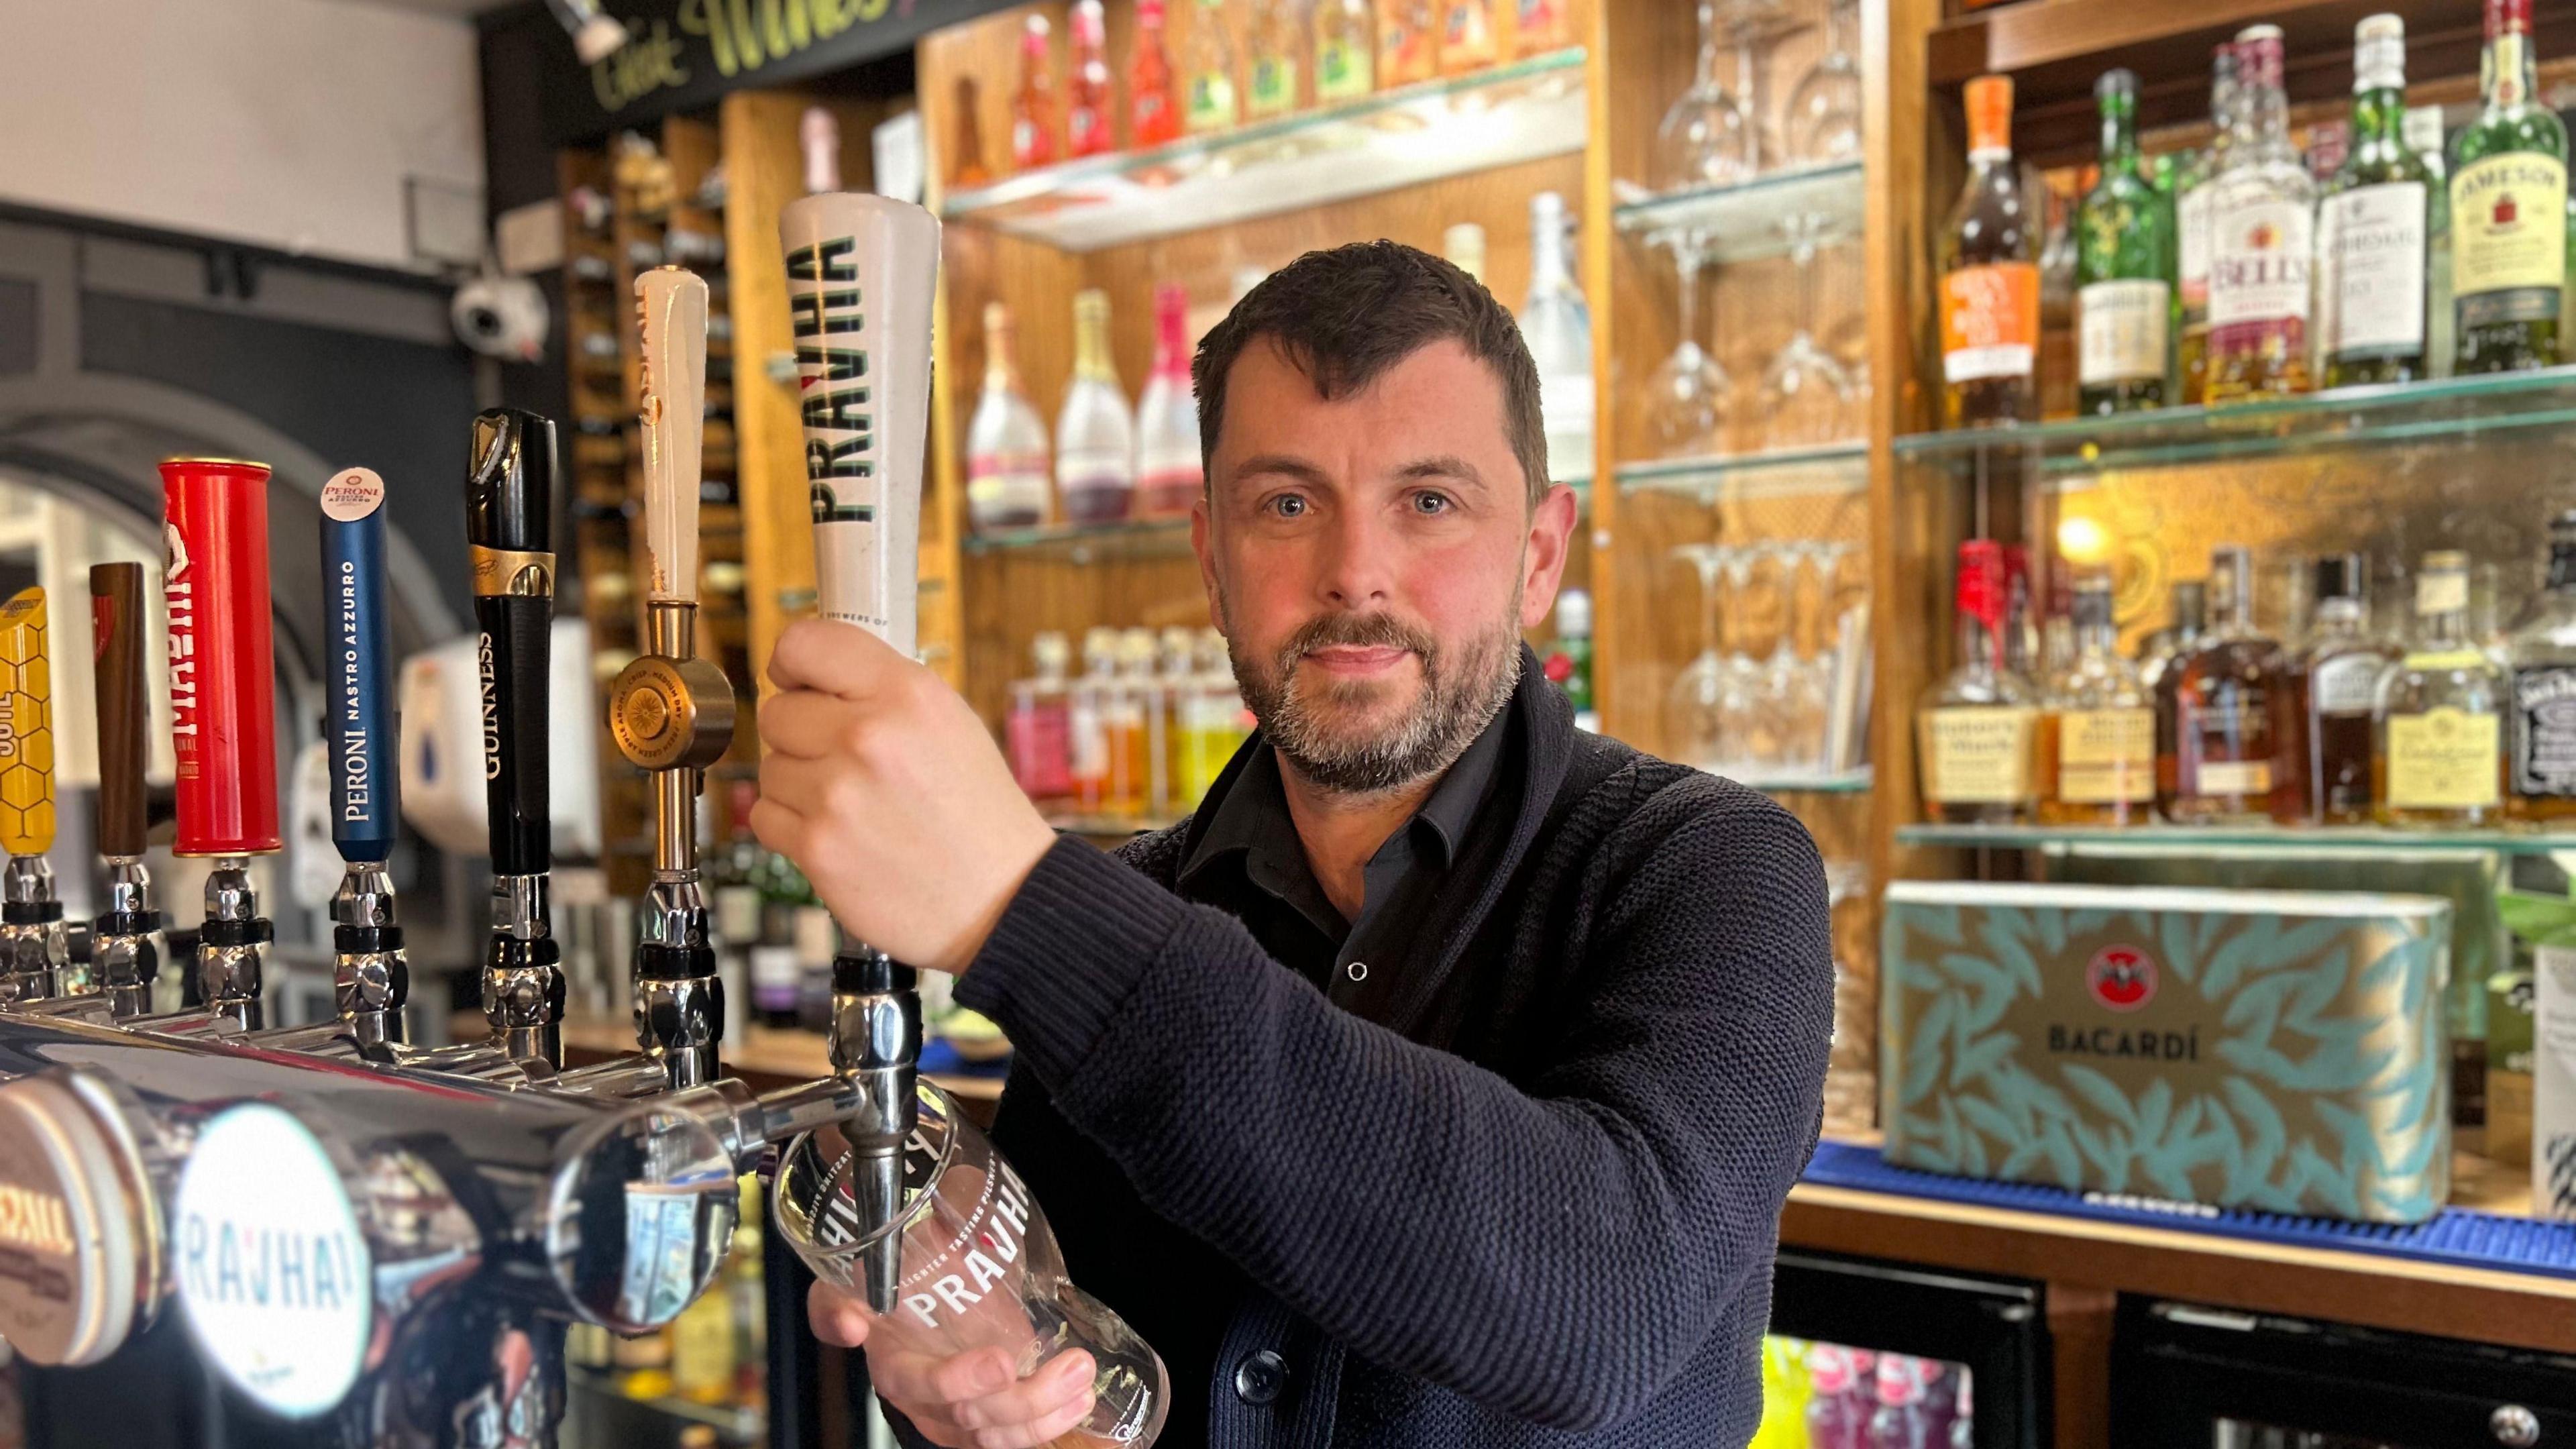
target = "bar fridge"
x: 1875, y: 1355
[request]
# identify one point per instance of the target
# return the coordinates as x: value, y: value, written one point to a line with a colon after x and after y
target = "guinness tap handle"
x: 671, y: 309
x: 509, y: 496
x: 366, y: 806
x: 124, y: 709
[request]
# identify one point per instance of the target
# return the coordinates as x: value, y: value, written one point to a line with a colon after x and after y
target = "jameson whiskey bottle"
x: 2124, y: 240
x: 2097, y: 726
x: 2262, y: 240
x: 2327, y: 729
x: 2194, y: 191
x: 2508, y: 211
x: 1973, y: 731
x: 2214, y: 764
x: 2441, y: 713
x: 2541, y: 651
x: 2376, y: 224
x: 1989, y: 280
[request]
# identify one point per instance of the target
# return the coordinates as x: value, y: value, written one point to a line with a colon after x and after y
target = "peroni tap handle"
x: 509, y: 497
x: 365, y: 804
x: 26, y: 727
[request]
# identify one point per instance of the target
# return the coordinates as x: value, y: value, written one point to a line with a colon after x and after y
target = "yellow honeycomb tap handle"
x: 26, y: 727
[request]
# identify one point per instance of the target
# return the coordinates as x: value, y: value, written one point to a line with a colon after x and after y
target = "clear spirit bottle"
x: 1557, y: 325
x: 2441, y: 713
x: 2194, y: 192
x: 1095, y: 433
x: 2541, y: 652
x: 2262, y: 240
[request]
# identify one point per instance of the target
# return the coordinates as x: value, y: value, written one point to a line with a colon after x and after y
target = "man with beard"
x: 1439, y: 1081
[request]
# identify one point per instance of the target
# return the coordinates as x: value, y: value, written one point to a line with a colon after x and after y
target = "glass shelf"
x: 1805, y: 782
x: 1396, y: 138
x: 1110, y: 827
x: 1741, y: 220
x: 1781, y: 473
x: 735, y: 1423
x: 1084, y: 543
x: 2076, y: 838
x: 2451, y: 409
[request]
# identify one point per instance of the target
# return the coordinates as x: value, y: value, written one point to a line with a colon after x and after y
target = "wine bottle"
x: 2376, y: 224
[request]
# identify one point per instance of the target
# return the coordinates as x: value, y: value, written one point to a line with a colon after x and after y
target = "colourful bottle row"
x: 1110, y: 463
x: 2219, y: 724
x: 1140, y: 734
x: 2245, y: 270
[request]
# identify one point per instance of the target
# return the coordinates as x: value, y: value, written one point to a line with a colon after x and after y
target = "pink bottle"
x: 1903, y: 1418
x: 1837, y: 1407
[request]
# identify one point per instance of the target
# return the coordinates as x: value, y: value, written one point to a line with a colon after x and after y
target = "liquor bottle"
x: 1462, y: 245
x: 1168, y: 465
x: 783, y: 890
x: 1033, y: 104
x: 1132, y: 726
x: 2097, y: 725
x: 1153, y: 105
x: 1088, y: 707
x: 1345, y: 50
x: 733, y: 882
x: 1574, y: 646
x: 966, y: 163
x: 1406, y: 42
x: 2376, y: 225
x: 1270, y: 90
x: 2214, y: 760
x: 2188, y: 615
x: 1090, y: 98
x: 2441, y: 712
x: 1541, y: 26
x: 1467, y: 38
x: 1006, y: 442
x: 2541, y: 652
x: 1989, y: 282
x: 2326, y: 715
x: 702, y: 1348
x: 2262, y: 240
x: 1095, y: 434
x: 2124, y: 269
x: 2195, y: 190
x: 2508, y: 211
x: 1558, y: 328
x: 2423, y: 131
x: 1210, y: 102
x: 1974, y: 727
x: 1038, y: 730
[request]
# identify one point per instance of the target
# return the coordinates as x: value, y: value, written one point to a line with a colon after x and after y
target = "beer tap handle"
x: 125, y: 947
x: 223, y: 698
x: 370, y: 976
x: 34, y: 958
x: 509, y: 501
x: 860, y: 274
x: 671, y: 309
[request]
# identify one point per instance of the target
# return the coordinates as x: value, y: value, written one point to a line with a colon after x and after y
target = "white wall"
x: 290, y: 123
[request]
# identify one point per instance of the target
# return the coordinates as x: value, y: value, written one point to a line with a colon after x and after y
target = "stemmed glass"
x: 1824, y: 112
x: 1707, y: 137
x: 1686, y: 399
x: 1741, y: 717
x: 1785, y: 679
x: 1807, y: 396
x: 1756, y: 26
x: 1695, y: 709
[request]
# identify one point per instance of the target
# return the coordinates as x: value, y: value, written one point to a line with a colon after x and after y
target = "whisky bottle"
x: 2194, y: 191
x: 2124, y: 270
x: 2262, y: 240
x: 2441, y: 713
x: 2326, y: 725
x: 2097, y: 726
x: 2374, y: 227
x: 2214, y: 763
x: 2541, y: 652
x: 2190, y: 616
x: 1974, y: 728
x: 2508, y: 211
x: 1989, y: 280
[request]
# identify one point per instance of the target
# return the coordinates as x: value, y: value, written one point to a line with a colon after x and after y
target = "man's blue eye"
x: 1288, y: 505
x: 1430, y: 503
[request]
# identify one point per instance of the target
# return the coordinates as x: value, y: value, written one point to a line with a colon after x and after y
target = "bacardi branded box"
x: 2275, y: 1050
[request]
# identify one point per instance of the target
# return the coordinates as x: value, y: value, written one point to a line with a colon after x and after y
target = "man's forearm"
x: 1422, y: 1209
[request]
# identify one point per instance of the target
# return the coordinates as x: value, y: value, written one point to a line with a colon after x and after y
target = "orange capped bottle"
x: 1989, y: 280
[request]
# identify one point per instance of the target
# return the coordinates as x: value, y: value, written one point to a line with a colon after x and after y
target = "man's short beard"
x: 1462, y: 690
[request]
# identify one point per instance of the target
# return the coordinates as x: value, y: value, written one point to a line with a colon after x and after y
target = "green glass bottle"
x: 2375, y: 225
x: 2508, y: 211
x: 2124, y: 270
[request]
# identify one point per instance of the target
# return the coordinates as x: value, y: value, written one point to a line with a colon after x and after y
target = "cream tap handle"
x: 671, y: 310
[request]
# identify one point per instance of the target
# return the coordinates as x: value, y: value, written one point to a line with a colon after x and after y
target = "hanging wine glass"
x: 1706, y: 138
x: 1742, y: 718
x: 1687, y: 398
x: 1807, y: 396
x: 1824, y: 111
x: 1695, y: 708
x: 1756, y: 26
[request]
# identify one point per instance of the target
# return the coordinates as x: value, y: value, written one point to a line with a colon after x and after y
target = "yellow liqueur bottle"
x: 2441, y: 713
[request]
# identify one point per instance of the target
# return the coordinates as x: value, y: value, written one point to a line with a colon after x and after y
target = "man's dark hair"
x: 1345, y: 315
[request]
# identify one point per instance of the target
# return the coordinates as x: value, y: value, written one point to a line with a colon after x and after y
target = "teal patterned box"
x: 2284, y: 1051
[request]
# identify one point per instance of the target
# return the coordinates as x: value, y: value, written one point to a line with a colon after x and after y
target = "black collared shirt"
x: 1251, y: 863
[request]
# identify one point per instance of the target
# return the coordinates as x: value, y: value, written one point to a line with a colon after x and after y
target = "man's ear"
x: 1203, y: 544
x: 1543, y: 556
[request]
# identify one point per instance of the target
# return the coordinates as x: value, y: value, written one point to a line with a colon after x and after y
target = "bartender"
x: 1440, y: 1080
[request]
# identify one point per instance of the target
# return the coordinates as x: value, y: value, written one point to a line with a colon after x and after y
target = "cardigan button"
x: 1260, y: 1377
x: 1358, y: 970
